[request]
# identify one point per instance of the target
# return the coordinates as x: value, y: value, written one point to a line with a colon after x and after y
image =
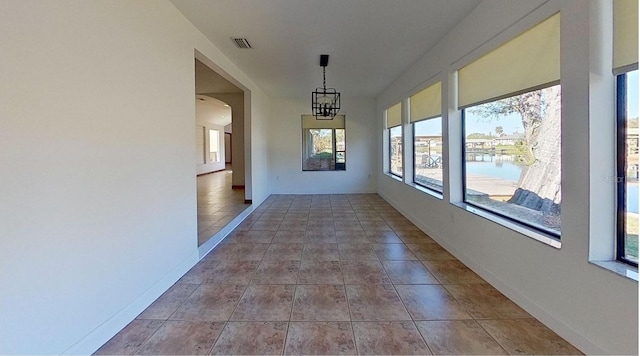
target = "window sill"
x: 521, y: 229
x: 618, y: 268
x: 393, y: 176
x: 427, y: 191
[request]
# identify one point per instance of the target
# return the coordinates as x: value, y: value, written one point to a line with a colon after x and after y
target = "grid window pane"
x: 512, y: 158
x: 428, y: 147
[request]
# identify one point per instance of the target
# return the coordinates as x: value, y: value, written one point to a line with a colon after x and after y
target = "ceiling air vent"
x: 241, y: 42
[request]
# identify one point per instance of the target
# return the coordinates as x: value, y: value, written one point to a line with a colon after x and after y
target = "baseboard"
x: 548, y: 319
x: 216, y: 171
x: 214, y: 240
x: 104, y: 332
x: 237, y: 186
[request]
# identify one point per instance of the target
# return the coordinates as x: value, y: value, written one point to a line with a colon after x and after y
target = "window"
x: 512, y: 158
x: 323, y: 144
x: 394, y: 132
x: 625, y: 66
x: 627, y: 168
x: 428, y: 147
x: 511, y: 124
x: 425, y: 110
x: 214, y: 145
x: 395, y: 151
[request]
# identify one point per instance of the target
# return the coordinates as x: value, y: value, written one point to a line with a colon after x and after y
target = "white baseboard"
x: 548, y: 319
x: 103, y: 333
x: 206, y: 247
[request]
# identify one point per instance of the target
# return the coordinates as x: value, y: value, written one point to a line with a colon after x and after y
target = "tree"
x: 321, y: 140
x: 539, y: 110
x: 477, y: 135
x: 499, y: 130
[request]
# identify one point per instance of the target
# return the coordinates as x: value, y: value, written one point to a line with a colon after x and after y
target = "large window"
x: 394, y: 132
x: 625, y: 66
x: 511, y: 120
x: 214, y: 145
x: 427, y: 150
x: 425, y: 110
x: 323, y: 144
x: 512, y: 158
x: 627, y: 168
x: 395, y: 150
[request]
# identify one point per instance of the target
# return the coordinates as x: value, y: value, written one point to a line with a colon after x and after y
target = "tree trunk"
x: 539, y: 184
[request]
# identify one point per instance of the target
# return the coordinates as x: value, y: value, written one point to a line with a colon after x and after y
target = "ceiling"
x: 370, y: 42
x: 213, y: 111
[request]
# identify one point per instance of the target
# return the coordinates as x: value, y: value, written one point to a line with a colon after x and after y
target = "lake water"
x: 509, y: 171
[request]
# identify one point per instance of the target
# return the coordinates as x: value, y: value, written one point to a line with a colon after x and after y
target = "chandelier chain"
x: 324, y: 79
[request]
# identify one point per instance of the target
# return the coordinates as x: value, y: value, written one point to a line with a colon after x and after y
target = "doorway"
x: 221, y: 197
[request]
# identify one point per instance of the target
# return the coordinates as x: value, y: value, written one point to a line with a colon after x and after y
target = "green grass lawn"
x: 632, y: 246
x: 632, y: 236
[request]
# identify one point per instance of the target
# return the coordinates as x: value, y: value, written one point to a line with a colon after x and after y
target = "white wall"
x: 591, y: 307
x: 285, y: 150
x: 94, y: 226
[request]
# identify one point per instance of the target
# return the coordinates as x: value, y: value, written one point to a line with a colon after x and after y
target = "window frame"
x: 343, y: 165
x: 538, y: 230
x: 413, y: 129
x: 621, y: 169
x: 400, y: 176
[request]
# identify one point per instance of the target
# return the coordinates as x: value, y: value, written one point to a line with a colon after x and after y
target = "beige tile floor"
x: 218, y: 204
x: 333, y: 274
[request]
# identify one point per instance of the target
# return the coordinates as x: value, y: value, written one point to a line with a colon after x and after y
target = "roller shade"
x: 529, y: 61
x: 394, y: 116
x: 427, y: 103
x: 310, y: 122
x: 625, y: 35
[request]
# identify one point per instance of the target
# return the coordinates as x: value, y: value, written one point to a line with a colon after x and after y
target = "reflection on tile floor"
x: 218, y: 204
x: 332, y: 274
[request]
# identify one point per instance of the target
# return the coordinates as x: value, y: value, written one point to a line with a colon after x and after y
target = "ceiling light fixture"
x: 325, y: 103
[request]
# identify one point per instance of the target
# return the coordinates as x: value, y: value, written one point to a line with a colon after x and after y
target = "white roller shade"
x: 526, y: 62
x: 310, y: 122
x: 427, y: 103
x: 394, y: 116
x: 625, y: 35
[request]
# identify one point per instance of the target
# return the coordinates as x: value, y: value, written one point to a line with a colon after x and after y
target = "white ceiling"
x: 212, y: 111
x: 370, y: 42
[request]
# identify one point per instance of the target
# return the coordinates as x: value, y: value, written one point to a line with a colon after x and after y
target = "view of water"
x: 510, y: 171
x: 499, y: 169
x: 632, y: 198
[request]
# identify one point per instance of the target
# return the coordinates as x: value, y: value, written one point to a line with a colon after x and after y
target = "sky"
x: 512, y: 123
x: 474, y: 123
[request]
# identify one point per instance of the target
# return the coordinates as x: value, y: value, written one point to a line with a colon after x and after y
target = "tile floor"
x: 218, y: 204
x: 332, y: 274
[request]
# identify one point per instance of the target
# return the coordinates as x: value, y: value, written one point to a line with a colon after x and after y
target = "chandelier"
x: 325, y: 102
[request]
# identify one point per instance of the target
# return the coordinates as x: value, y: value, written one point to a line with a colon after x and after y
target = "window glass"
x: 628, y: 170
x: 214, y: 145
x: 428, y: 147
x: 323, y: 144
x: 512, y: 158
x: 395, y: 150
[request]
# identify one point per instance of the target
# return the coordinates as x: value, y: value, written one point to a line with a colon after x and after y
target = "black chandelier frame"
x: 325, y: 109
